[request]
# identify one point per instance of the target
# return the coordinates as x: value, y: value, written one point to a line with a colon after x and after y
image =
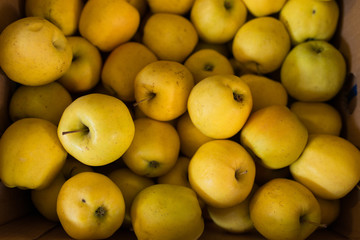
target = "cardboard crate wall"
x: 19, y: 220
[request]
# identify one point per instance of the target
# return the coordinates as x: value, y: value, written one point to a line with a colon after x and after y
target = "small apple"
x: 178, y: 175
x: 222, y: 173
x: 38, y: 48
x: 90, y: 206
x: 284, y: 209
x: 218, y: 21
x: 96, y: 129
x: 261, y: 8
x: 219, y: 105
x: 85, y: 68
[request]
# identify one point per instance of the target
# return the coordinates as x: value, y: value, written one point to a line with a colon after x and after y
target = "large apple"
x: 96, y: 129
x: 85, y: 68
x: 313, y: 71
x: 329, y: 166
x: 284, y: 209
x: 222, y: 173
x: 34, y: 51
x: 218, y: 21
x: 90, y: 206
x: 219, y: 105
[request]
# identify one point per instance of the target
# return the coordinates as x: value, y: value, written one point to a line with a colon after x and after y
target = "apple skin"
x: 103, y: 129
x: 284, y: 209
x: 38, y: 48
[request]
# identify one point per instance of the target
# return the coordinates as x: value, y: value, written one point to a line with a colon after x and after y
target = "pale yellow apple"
x: 329, y: 166
x: 85, y: 68
x: 166, y: 211
x: 330, y: 210
x: 191, y: 138
x: 310, y: 19
x: 261, y: 44
x: 154, y: 149
x: 313, y: 71
x: 219, y: 105
x: 162, y: 89
x: 96, y: 129
x: 207, y: 62
x: 46, y: 101
x: 64, y: 14
x: 217, y: 21
x: 108, y: 23
x: 275, y: 136
x: 31, y: 155
x: 222, y: 173
x: 34, y: 51
x: 121, y: 67
x: 140, y: 5
x: 180, y: 7
x: 284, y: 209
x: 318, y: 117
x: 178, y: 174
x: 130, y: 185
x: 261, y: 8
x: 170, y: 36
x: 265, y: 91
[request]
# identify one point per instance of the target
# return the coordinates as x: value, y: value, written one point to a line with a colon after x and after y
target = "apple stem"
x: 321, y: 225
x: 75, y: 131
x: 238, y: 173
x: 152, y: 95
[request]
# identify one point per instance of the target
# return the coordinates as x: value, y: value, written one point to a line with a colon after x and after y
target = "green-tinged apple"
x: 275, y: 136
x: 64, y: 14
x: 166, y: 211
x: 31, y: 155
x: 329, y: 166
x: 219, y: 105
x: 285, y: 209
x: 96, y: 129
x: 90, y: 206
x: 222, y: 173
x: 47, y: 101
x: 154, y: 149
x: 310, y: 19
x: 261, y: 8
x: 34, y: 51
x: 162, y: 89
x: 85, y: 68
x: 313, y: 71
x: 217, y: 21
x: 261, y: 44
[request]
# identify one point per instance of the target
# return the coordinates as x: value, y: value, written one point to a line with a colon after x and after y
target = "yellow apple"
x: 318, y: 117
x: 265, y: 91
x: 64, y: 14
x: 154, y: 149
x: 261, y: 44
x: 265, y: 174
x: 96, y: 129
x: 180, y: 7
x: 166, y: 211
x: 310, y: 19
x: 284, y: 209
x: 329, y: 166
x: 178, y: 174
x: 222, y: 48
x: 170, y: 36
x: 85, y: 69
x: 222, y: 173
x: 108, y: 23
x: 219, y: 105
x: 38, y: 48
x: 130, y: 185
x: 207, y: 62
x: 47, y: 101
x: 121, y: 67
x: 31, y: 154
x: 162, y: 89
x: 217, y: 21
x: 330, y: 210
x: 90, y: 206
x: 140, y: 5
x: 275, y: 136
x: 191, y: 138
x: 313, y: 71
x: 261, y: 8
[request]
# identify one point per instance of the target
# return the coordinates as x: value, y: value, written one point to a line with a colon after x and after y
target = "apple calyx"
x: 239, y: 173
x: 154, y: 164
x: 208, y: 67
x: 151, y: 96
x: 228, y: 4
x: 100, y: 212
x: 76, y: 131
x: 317, y: 49
x: 238, y: 97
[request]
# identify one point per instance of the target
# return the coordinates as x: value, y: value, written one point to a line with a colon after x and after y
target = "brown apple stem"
x: 320, y: 225
x: 75, y: 131
x: 239, y: 173
x: 152, y: 95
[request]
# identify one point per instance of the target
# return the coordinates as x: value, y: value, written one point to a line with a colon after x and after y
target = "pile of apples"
x: 162, y: 116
